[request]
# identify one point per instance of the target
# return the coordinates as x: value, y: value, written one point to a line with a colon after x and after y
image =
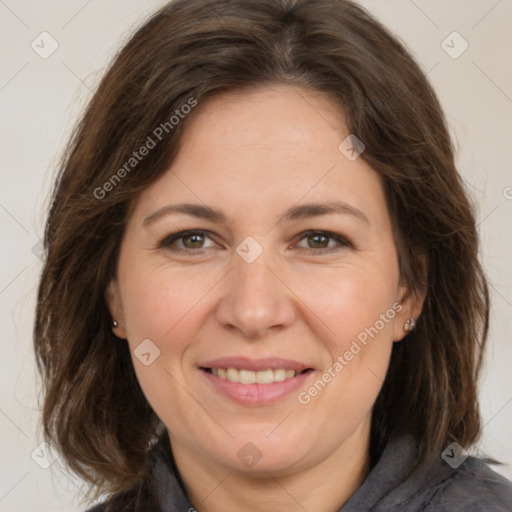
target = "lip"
x: 256, y: 394
x: 256, y: 365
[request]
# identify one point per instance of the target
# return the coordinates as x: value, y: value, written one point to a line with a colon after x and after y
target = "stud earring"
x: 114, y: 324
x: 410, y: 324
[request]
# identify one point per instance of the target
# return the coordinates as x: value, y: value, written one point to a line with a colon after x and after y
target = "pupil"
x: 191, y: 237
x: 197, y: 239
x: 317, y: 237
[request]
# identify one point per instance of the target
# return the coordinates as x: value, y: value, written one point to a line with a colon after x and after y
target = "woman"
x: 262, y: 289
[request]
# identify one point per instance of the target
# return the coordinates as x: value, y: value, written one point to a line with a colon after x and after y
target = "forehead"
x: 262, y: 150
x: 270, y: 118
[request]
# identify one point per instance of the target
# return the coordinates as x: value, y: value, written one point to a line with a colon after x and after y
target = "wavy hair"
x: 93, y: 409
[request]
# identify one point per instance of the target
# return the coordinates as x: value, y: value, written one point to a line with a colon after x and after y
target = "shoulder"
x: 153, y: 488
x: 404, y: 481
x: 101, y: 507
x: 475, y: 486
x: 471, y: 487
x: 110, y: 505
x: 139, y: 499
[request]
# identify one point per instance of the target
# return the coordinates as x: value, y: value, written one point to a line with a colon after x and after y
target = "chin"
x: 255, y: 452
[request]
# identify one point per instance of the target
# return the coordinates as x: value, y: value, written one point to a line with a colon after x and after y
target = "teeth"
x: 279, y: 375
x: 265, y: 377
x: 233, y: 375
x: 246, y: 377
x: 250, y: 377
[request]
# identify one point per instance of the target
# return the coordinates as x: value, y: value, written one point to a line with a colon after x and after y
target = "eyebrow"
x: 292, y: 214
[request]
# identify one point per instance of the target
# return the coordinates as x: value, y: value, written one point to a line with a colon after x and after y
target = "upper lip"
x: 245, y: 363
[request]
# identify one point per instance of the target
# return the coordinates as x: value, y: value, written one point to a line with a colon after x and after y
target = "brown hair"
x: 94, y: 411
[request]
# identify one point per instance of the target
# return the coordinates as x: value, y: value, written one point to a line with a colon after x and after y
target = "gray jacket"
x: 395, y: 484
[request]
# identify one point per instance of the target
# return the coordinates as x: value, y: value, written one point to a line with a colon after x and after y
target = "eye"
x: 190, y: 241
x: 193, y: 240
x: 318, y: 242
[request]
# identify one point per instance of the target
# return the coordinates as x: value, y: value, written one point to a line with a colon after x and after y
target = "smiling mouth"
x: 241, y: 376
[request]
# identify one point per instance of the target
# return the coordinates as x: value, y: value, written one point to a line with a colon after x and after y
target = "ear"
x: 411, y: 301
x: 115, y: 307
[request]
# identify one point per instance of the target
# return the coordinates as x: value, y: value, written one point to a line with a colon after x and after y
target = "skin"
x: 253, y: 155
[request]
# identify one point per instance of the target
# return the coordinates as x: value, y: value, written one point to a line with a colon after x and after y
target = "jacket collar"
x: 388, y: 481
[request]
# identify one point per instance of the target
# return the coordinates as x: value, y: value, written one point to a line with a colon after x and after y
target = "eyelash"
x: 167, y: 241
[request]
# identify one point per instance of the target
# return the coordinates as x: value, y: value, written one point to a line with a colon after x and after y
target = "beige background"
x: 41, y: 98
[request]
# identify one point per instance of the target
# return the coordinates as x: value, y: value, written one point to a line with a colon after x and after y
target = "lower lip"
x: 257, y: 394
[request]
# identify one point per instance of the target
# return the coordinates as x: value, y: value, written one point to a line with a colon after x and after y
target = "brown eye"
x: 323, y: 241
x: 193, y: 241
x: 186, y: 241
x: 318, y: 241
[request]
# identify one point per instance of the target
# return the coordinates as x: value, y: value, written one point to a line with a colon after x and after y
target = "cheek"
x: 159, y: 301
x: 357, y: 305
x: 165, y: 306
x: 350, y: 299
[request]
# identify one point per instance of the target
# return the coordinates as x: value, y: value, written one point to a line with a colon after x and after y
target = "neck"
x: 324, y: 486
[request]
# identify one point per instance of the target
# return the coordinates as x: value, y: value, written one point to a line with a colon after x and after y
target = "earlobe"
x: 411, y: 300
x: 410, y: 324
x: 114, y: 305
x: 411, y: 307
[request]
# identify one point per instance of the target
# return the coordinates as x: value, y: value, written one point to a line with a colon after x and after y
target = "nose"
x: 256, y: 299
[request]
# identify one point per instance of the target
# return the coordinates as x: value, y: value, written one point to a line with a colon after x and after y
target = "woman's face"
x: 254, y: 297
